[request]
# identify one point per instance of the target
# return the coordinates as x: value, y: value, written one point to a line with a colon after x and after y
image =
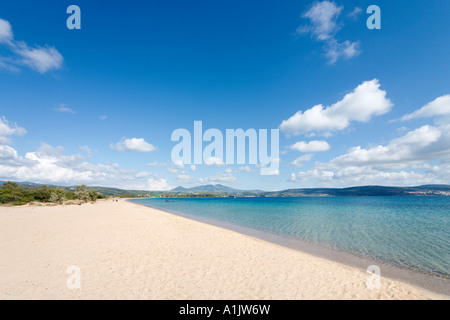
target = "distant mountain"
x: 441, y: 190
x: 219, y: 190
x: 210, y: 188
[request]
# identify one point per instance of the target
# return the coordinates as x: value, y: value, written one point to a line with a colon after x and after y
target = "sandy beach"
x: 127, y: 251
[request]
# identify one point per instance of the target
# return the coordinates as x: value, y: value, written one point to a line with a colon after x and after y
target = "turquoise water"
x: 409, y: 232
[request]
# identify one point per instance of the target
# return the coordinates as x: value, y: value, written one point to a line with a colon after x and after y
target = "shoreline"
x: 421, y: 280
x: 129, y: 251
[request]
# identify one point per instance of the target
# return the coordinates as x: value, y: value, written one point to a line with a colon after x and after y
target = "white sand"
x: 126, y: 251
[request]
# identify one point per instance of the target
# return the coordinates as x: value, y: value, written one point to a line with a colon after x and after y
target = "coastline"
x: 129, y: 251
x: 425, y: 281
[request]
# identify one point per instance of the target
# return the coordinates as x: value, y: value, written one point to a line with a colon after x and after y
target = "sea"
x: 400, y: 233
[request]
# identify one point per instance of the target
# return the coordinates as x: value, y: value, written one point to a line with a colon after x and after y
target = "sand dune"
x: 126, y: 251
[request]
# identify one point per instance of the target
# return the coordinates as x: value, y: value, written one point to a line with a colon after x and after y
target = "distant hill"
x: 219, y: 190
x: 103, y: 190
x: 440, y: 190
x: 214, y: 188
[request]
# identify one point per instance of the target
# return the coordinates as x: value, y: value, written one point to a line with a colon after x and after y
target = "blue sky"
x: 98, y: 105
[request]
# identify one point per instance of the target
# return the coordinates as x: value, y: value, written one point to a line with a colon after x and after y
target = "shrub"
x: 58, y: 195
x: 13, y: 193
x: 82, y: 193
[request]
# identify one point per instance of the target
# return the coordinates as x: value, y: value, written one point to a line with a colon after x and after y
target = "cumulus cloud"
x: 438, y: 107
x: 419, y: 156
x: 395, y: 163
x: 312, y: 146
x: 356, y: 176
x: 8, y: 129
x: 47, y: 164
x: 40, y: 59
x: 360, y: 105
x: 301, y: 160
x: 323, y: 26
x: 158, y: 184
x: 423, y: 144
x: 50, y: 165
x: 133, y: 144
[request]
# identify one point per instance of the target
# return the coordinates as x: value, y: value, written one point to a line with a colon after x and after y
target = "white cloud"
x: 175, y: 167
x: 395, y: 163
x: 134, y: 144
x: 438, y: 107
x: 245, y: 169
x: 346, y: 50
x: 6, y: 64
x: 357, y: 176
x: 193, y: 167
x: 143, y: 174
x: 49, y: 165
x: 41, y: 59
x: 311, y: 146
x: 156, y: 164
x: 9, y: 129
x: 323, y: 16
x: 300, y: 160
x: 64, y: 108
x: 214, y: 161
x: 225, y: 177
x: 6, y: 34
x: 355, y: 13
x: 323, y: 26
x: 172, y: 170
x: 179, y: 164
x: 103, y: 117
x: 7, y: 153
x: 87, y: 150
x: 423, y: 144
x: 360, y: 105
x: 158, y: 184
x: 184, y: 178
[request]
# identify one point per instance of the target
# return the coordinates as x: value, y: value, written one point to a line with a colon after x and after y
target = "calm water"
x: 410, y: 232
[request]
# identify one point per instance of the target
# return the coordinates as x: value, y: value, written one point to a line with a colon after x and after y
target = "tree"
x: 42, y: 193
x: 93, y: 195
x: 82, y: 193
x: 9, y: 185
x: 11, y: 192
x: 58, y: 195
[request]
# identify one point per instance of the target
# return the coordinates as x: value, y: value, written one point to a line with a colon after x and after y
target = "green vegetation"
x: 25, y: 192
x: 15, y: 194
